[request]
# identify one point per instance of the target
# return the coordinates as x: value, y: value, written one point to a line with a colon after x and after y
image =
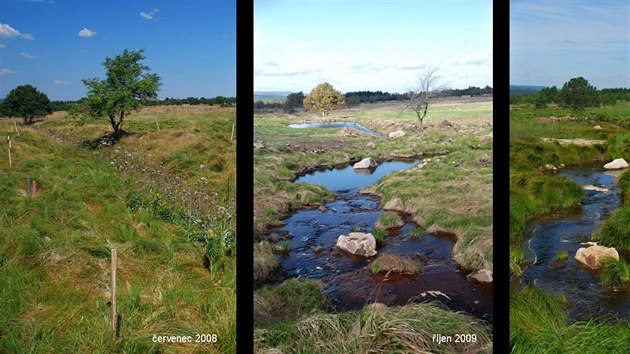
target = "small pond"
x: 335, y: 125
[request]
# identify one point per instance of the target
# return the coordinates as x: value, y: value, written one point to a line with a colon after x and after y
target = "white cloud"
x: 7, y: 71
x: 86, y: 33
x: 28, y: 36
x: 2, y: 46
x: 60, y: 82
x: 28, y: 56
x: 149, y: 15
x: 474, y: 59
x: 7, y: 31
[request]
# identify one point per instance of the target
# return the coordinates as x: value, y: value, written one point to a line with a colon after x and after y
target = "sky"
x: 370, y: 45
x: 554, y: 41
x: 53, y: 45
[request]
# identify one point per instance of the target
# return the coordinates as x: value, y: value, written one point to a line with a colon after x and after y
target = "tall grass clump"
x: 615, y: 272
x: 538, y: 324
x: 534, y: 193
x: 377, y: 329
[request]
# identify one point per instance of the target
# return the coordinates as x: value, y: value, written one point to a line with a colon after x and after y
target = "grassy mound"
x: 376, y: 329
x: 391, y: 263
x: 615, y: 272
x: 538, y: 324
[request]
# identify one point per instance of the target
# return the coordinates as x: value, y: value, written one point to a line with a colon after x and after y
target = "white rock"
x: 482, y: 276
x: 597, y: 127
x: 358, y: 243
x: 590, y: 187
x: 594, y: 256
x: 397, y: 134
x: 367, y: 162
x: 616, y: 164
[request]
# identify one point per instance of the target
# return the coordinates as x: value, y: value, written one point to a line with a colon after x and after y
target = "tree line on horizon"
x: 576, y: 94
x: 294, y: 101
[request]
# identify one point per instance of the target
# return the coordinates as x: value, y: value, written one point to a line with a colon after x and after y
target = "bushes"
x: 615, y: 272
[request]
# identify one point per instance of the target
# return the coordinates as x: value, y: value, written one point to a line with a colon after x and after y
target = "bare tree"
x: 420, y: 97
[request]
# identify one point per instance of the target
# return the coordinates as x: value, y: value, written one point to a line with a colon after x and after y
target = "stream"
x: 312, y: 235
x: 335, y: 125
x: 578, y: 283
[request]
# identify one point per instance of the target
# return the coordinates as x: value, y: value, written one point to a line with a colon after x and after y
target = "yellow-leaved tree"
x: 324, y: 98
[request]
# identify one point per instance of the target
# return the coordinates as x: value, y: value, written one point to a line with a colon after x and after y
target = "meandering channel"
x: 312, y: 235
x: 580, y: 285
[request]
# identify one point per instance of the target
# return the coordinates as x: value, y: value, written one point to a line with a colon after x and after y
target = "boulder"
x: 258, y: 145
x: 397, y: 205
x: 597, y: 127
x: 358, y: 243
x: 370, y: 146
x: 397, y: 134
x: 594, y: 256
x: 482, y: 276
x: 616, y: 164
x: 367, y: 162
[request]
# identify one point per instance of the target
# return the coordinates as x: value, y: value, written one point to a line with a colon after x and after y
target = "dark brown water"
x: 579, y: 284
x: 312, y: 235
x: 335, y: 125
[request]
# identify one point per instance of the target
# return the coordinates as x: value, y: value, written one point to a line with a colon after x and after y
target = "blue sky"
x: 370, y: 45
x: 554, y: 41
x: 54, y: 44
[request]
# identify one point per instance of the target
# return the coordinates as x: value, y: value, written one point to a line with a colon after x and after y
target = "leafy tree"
x: 578, y: 94
x: 27, y: 103
x: 127, y: 87
x: 324, y: 98
x: 293, y: 101
x: 546, y: 96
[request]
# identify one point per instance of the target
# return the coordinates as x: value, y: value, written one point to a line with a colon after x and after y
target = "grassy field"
x: 538, y: 321
x: 176, y: 266
x: 450, y: 191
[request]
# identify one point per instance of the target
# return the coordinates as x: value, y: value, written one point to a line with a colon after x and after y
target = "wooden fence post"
x: 16, y: 129
x: 114, y: 315
x: 34, y: 189
x: 158, y: 125
x: 28, y: 186
x: 232, y: 136
x: 10, y: 160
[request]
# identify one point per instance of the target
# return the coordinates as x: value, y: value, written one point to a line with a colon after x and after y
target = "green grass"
x: 375, y: 329
x: 389, y: 219
x: 615, y: 230
x: 615, y: 272
x: 517, y: 261
x: 538, y: 324
x: 562, y: 255
x: 534, y: 193
x: 290, y: 300
x: 380, y: 235
x: 55, y: 249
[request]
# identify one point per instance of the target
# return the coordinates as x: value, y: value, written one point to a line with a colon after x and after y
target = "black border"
x: 501, y: 175
x: 244, y: 176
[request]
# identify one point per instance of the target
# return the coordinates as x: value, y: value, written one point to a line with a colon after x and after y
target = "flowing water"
x: 312, y: 235
x: 578, y: 283
x: 335, y: 125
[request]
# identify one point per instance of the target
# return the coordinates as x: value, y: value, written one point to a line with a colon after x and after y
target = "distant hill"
x: 270, y: 95
x: 525, y: 88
